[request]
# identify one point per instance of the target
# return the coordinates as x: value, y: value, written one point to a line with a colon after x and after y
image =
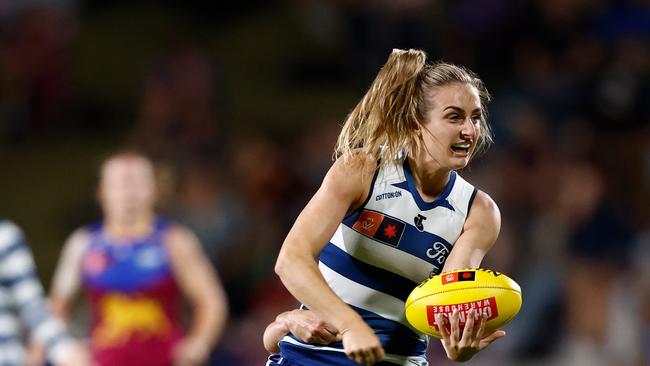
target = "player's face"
x: 453, y: 124
x: 127, y: 187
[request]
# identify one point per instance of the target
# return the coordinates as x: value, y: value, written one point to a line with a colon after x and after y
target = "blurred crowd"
x: 569, y: 169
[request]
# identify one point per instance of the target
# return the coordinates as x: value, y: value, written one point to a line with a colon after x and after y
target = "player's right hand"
x: 77, y: 355
x: 191, y: 351
x: 462, y: 344
x: 362, y: 345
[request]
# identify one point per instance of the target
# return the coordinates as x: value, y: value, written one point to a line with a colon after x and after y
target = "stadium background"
x: 240, y: 104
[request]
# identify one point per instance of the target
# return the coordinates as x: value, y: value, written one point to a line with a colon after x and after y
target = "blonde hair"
x: 383, y: 123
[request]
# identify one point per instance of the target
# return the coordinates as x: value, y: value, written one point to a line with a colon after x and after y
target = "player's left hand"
x: 308, y: 327
x: 463, y: 345
x: 191, y: 352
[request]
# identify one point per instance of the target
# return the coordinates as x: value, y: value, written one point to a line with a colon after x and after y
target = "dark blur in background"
x: 240, y: 103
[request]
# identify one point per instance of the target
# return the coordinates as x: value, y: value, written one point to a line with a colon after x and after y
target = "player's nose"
x: 469, y: 129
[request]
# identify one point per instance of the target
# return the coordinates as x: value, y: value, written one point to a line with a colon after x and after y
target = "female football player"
x: 135, y: 266
x: 391, y: 211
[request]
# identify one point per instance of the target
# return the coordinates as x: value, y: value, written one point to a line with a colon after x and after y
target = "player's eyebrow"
x: 458, y: 109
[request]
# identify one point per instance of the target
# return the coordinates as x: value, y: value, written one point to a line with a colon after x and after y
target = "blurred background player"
x: 391, y: 212
x: 21, y: 292
x: 135, y: 267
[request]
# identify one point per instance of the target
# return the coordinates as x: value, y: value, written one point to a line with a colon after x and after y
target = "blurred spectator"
x: 262, y: 180
x: 210, y: 209
x: 178, y: 120
x: 35, y: 80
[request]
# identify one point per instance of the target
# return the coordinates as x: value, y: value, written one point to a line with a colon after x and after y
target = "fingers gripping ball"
x: 491, y: 294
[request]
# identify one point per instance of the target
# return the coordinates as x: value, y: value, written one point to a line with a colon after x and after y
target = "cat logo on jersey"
x: 380, y: 227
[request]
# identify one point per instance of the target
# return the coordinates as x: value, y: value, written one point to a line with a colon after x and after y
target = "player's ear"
x: 418, y: 129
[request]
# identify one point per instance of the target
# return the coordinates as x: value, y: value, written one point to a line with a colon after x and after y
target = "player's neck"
x: 430, y: 178
x: 128, y: 227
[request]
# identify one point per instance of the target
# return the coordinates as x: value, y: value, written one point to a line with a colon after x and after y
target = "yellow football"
x: 492, y: 294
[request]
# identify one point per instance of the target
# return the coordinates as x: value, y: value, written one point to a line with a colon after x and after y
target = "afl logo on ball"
x: 458, y: 277
x: 449, y: 278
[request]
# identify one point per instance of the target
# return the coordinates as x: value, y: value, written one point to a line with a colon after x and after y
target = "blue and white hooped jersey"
x: 379, y: 253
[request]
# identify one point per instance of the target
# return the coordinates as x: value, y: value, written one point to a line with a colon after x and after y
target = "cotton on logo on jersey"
x: 383, y: 228
x: 387, y: 195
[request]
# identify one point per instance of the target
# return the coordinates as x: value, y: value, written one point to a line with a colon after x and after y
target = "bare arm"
x: 201, y: 286
x: 67, y: 276
x: 480, y: 231
x: 272, y: 335
x: 479, y: 234
x: 345, y: 186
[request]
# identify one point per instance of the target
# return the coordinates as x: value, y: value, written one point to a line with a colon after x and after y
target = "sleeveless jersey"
x: 379, y: 253
x: 135, y: 302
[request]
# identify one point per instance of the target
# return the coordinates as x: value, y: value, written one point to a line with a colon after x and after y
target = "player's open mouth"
x: 461, y: 148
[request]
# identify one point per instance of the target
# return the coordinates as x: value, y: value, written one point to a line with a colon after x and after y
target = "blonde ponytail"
x: 383, y: 123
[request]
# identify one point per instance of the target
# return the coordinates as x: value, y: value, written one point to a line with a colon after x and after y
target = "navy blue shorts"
x: 292, y: 355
